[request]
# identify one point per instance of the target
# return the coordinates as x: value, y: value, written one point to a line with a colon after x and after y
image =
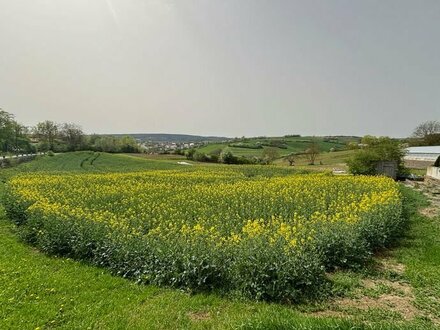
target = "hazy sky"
x: 224, y: 67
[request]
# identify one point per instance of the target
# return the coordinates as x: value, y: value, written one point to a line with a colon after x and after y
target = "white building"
x: 422, y: 153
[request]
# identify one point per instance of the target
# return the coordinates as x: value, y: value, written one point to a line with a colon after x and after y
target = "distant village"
x: 154, y: 147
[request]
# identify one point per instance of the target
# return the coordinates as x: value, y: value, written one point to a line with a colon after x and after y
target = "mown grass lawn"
x: 40, y: 291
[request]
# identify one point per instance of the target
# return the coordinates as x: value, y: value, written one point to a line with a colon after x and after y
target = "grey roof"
x: 424, y: 150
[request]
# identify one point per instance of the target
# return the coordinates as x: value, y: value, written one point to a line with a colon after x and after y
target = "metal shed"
x: 387, y: 168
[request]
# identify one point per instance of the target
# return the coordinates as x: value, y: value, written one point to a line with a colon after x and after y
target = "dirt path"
x: 385, y: 292
x: 431, y: 189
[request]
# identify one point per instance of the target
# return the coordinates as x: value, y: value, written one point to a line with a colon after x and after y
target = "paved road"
x: 16, y: 156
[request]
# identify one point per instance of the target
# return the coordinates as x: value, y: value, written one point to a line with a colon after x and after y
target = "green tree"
x: 106, y: 144
x: 47, y: 132
x: 20, y: 141
x: 6, y: 130
x: 13, y: 136
x: 228, y: 158
x: 128, y: 144
x: 72, y: 135
x: 201, y: 157
x: 377, y: 149
x: 190, y: 154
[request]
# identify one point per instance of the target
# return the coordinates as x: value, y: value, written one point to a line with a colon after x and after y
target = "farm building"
x: 421, y: 157
x: 423, y: 153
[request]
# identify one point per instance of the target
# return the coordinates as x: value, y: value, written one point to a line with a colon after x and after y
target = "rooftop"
x: 424, y: 150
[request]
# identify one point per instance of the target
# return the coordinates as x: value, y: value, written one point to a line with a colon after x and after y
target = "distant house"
x: 428, y: 154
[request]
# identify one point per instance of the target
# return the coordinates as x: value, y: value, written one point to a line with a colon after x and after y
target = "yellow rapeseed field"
x: 214, y: 212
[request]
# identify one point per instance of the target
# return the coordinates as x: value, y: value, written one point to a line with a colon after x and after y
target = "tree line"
x: 47, y: 135
x: 13, y: 135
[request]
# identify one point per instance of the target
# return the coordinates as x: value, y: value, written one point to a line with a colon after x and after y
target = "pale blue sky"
x: 230, y: 67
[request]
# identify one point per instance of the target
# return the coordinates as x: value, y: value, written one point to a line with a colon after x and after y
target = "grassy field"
x: 88, y: 161
x: 399, y: 290
x: 324, y: 161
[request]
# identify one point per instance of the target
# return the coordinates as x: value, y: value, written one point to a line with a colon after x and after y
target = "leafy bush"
x: 190, y: 154
x: 365, y: 160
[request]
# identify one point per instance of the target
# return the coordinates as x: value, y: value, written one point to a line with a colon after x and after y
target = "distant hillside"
x: 253, y: 147
x: 174, y: 137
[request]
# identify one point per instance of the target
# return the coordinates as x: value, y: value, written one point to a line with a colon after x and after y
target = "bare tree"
x: 290, y: 159
x: 270, y: 154
x: 428, y: 132
x: 312, y: 152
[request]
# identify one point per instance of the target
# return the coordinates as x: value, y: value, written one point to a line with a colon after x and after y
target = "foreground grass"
x: 46, y: 292
x: 38, y: 291
x: 420, y: 253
